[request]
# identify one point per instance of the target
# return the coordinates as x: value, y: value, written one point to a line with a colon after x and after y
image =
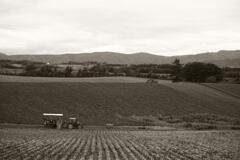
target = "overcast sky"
x: 164, y: 27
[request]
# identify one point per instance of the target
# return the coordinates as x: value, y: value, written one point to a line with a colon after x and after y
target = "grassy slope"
x: 4, y: 78
x: 98, y: 103
x: 232, y: 89
x: 213, y: 97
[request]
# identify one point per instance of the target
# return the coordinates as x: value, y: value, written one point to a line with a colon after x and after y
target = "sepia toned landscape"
x: 119, y: 80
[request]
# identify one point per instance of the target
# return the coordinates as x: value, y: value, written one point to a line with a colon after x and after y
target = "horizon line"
x: 75, y: 53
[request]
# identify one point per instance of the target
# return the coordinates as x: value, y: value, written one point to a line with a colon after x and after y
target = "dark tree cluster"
x: 202, y: 72
x: 47, y: 71
x: 102, y: 70
x: 158, y: 71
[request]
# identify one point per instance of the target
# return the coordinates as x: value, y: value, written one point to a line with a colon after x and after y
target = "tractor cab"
x: 73, y: 123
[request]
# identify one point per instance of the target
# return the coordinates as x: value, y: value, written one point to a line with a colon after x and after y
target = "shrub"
x: 235, y: 127
x: 204, y: 127
x: 142, y: 127
x: 188, y: 125
x: 174, y: 121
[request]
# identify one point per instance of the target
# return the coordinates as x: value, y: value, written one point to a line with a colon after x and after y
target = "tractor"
x: 52, y: 120
x: 71, y: 123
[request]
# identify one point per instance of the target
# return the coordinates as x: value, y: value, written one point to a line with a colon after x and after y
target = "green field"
x: 101, y: 103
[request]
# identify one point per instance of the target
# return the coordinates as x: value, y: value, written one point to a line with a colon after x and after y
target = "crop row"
x: 36, y: 144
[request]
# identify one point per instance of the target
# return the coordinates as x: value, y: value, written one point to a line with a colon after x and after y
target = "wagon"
x: 53, y: 120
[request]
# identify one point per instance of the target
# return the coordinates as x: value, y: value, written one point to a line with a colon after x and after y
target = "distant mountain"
x: 108, y: 57
x: 3, y: 56
x: 228, y: 62
x: 221, y: 58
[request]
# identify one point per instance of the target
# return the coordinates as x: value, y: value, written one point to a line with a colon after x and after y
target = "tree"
x: 84, y: 72
x: 176, y: 62
x: 46, y: 71
x: 199, y: 72
x: 213, y: 70
x: 68, y: 71
x: 177, y: 70
x: 30, y: 69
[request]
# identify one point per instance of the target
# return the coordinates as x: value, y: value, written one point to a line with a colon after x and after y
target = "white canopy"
x: 52, y: 114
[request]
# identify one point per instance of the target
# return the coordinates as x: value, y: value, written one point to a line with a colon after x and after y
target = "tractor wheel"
x: 70, y: 126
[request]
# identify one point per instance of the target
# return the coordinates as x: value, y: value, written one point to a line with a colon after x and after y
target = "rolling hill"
x: 4, y: 78
x: 100, y: 103
x: 221, y: 58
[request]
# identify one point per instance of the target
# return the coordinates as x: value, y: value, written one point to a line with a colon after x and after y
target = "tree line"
x: 192, y: 72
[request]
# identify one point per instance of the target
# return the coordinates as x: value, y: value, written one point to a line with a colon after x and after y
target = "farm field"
x: 95, y: 144
x: 4, y: 78
x: 101, y: 103
x: 233, y: 89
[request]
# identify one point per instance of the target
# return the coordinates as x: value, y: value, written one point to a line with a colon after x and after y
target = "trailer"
x: 52, y: 120
x: 56, y: 120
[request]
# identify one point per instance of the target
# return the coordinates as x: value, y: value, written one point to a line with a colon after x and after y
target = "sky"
x: 163, y: 27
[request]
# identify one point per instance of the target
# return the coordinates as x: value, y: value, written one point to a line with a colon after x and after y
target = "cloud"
x: 161, y: 27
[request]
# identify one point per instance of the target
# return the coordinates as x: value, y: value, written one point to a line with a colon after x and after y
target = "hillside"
x: 231, y: 89
x: 221, y: 58
x: 233, y: 63
x: 99, y: 103
x: 3, y: 56
x: 4, y: 78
